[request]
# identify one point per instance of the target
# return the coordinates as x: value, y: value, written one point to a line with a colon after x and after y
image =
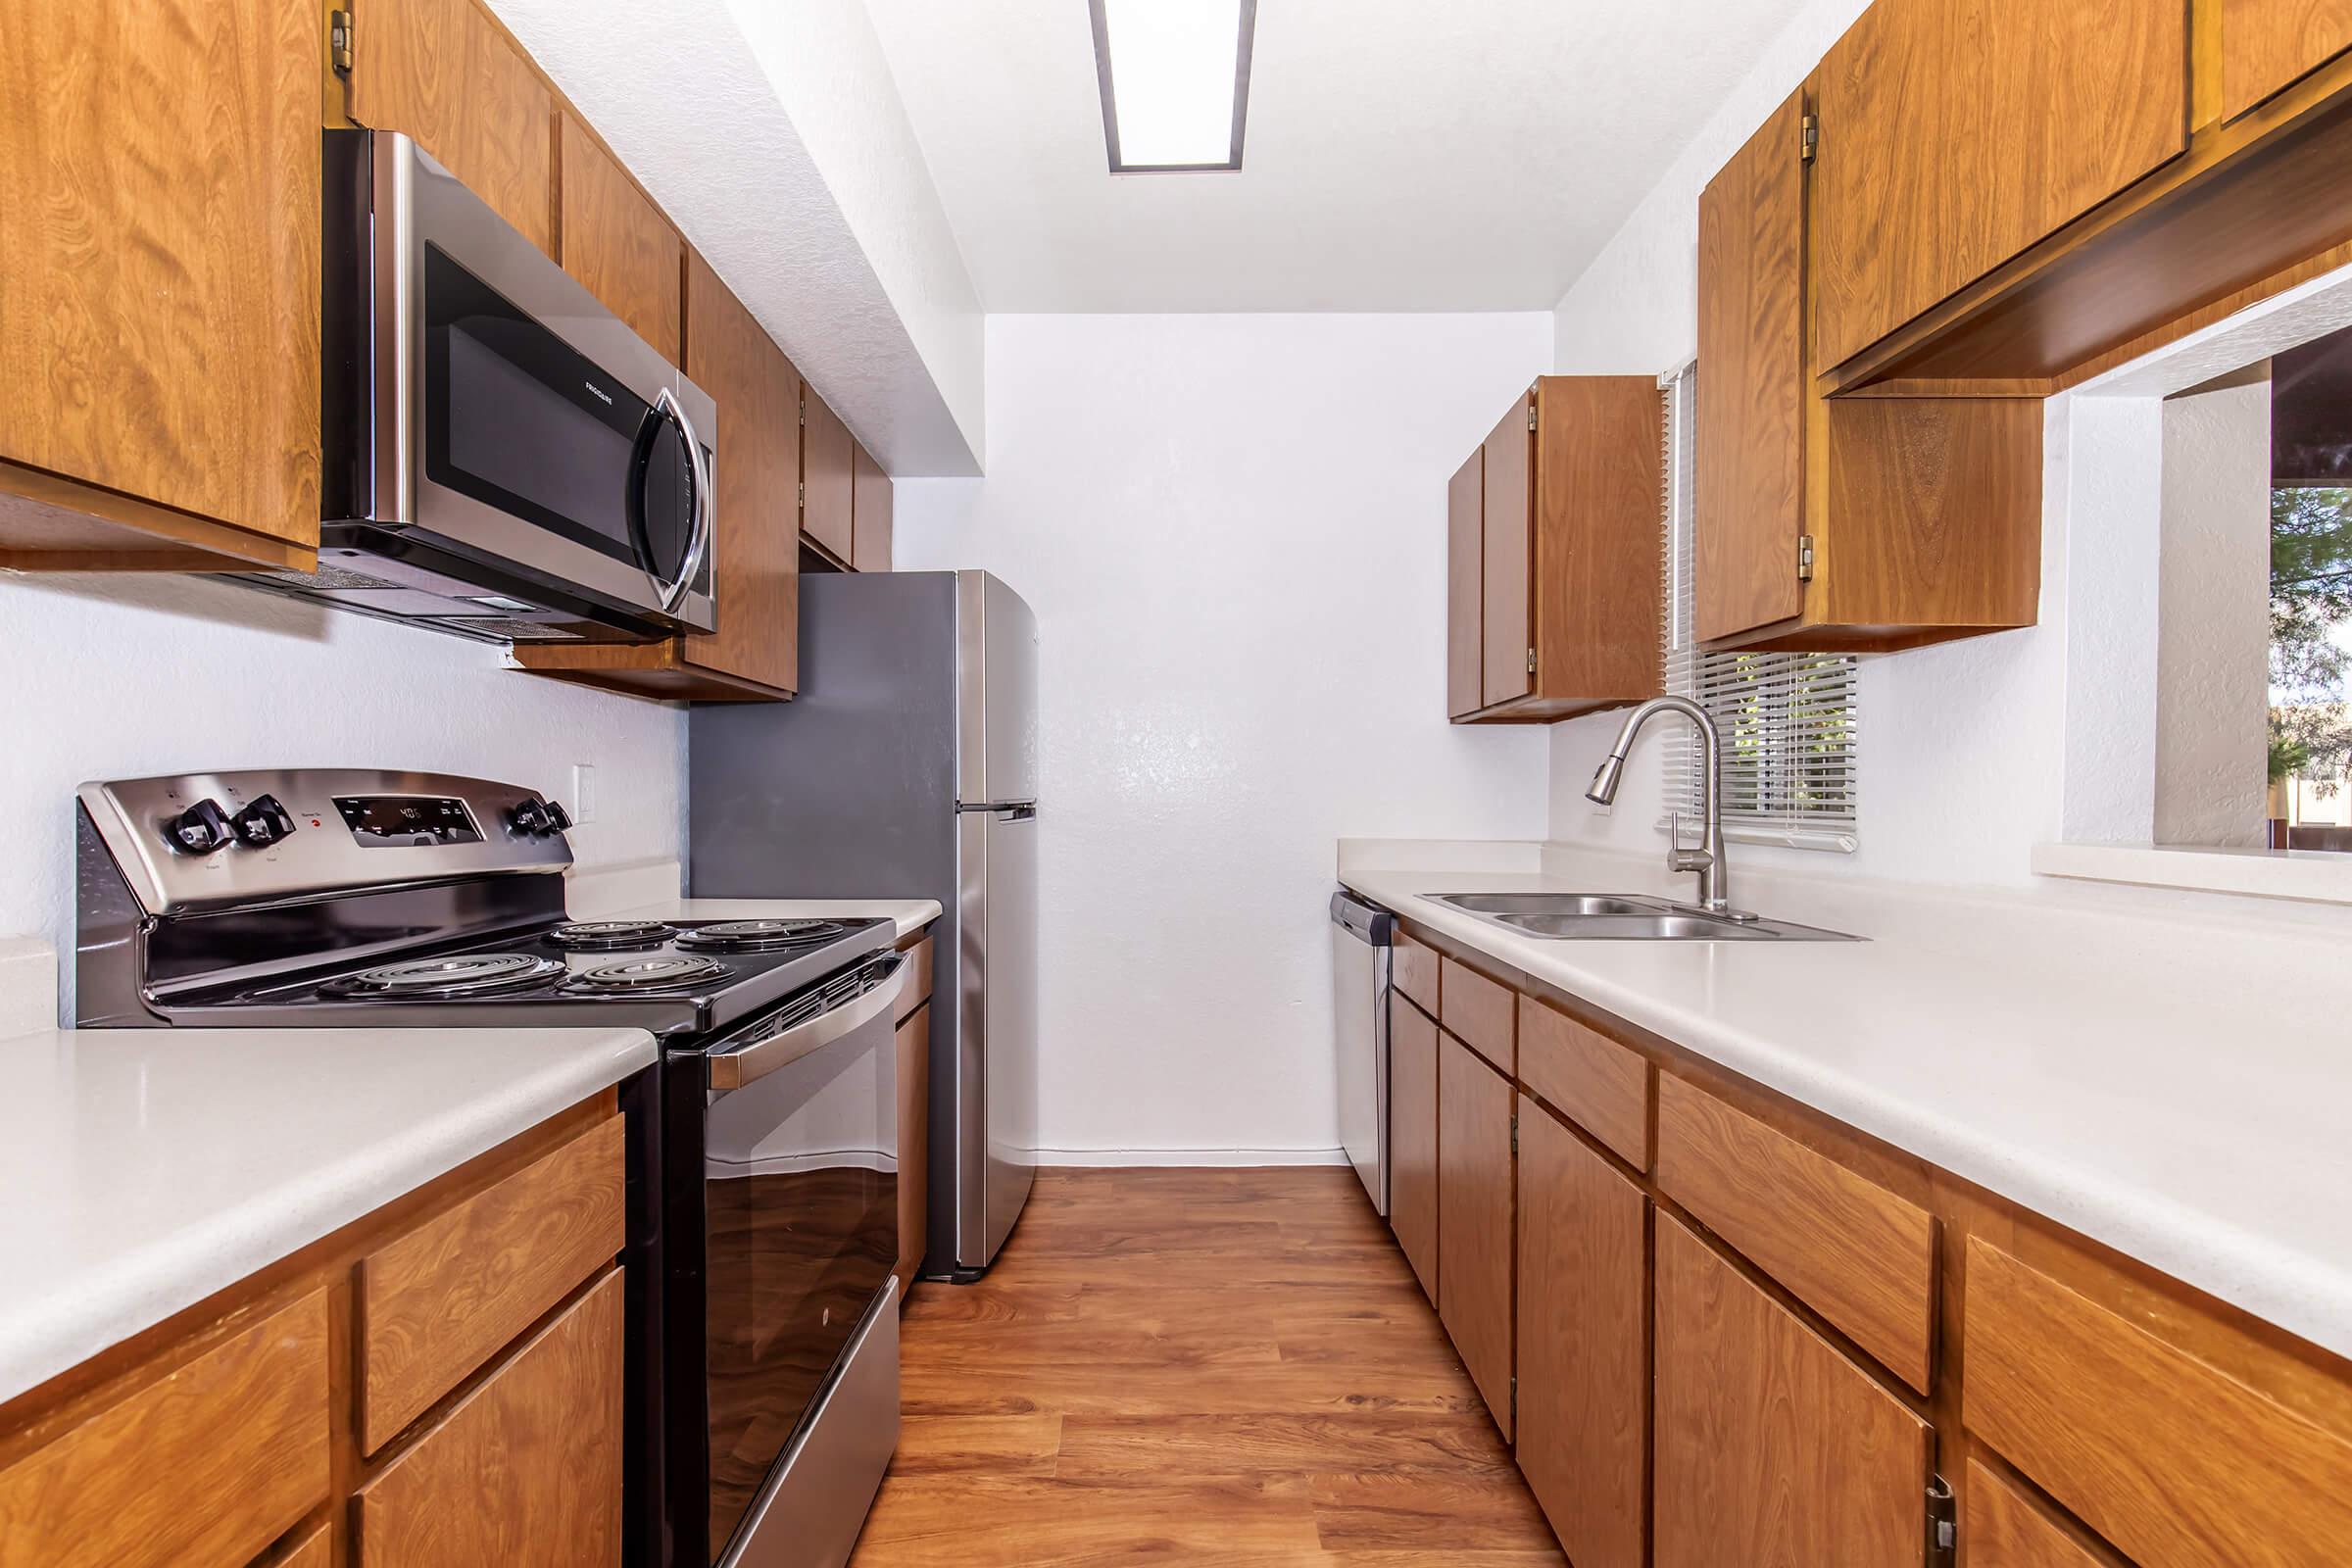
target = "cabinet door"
x: 1413, y: 1139
x: 445, y: 74
x: 2269, y: 44
x: 915, y: 1145
x: 1955, y: 133
x: 1752, y: 384
x: 755, y: 555
x: 159, y: 263
x: 525, y: 1469
x: 1584, y: 1384
x: 869, y: 513
x: 828, y: 512
x: 1465, y: 560
x: 1507, y: 542
x: 617, y: 243
x: 1772, y: 1447
x: 1474, y: 1216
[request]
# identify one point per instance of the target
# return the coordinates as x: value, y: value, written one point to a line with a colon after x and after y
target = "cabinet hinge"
x: 1514, y: 1401
x: 1531, y: 411
x: 1805, y: 558
x: 1808, y: 131
x: 804, y: 503
x: 1943, y: 1523
x: 1530, y: 660
x: 338, y: 41
x: 1514, y: 1149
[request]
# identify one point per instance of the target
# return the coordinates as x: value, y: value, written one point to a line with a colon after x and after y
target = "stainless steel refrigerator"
x: 906, y: 768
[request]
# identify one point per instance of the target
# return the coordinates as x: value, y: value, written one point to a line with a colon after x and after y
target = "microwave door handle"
x: 705, y: 505
x: 748, y: 1063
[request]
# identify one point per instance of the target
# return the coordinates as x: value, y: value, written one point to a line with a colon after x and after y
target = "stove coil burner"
x: 666, y: 972
x: 759, y: 936
x: 465, y: 975
x: 592, y: 936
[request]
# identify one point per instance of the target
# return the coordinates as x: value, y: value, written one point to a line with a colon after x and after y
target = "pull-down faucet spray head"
x: 1605, y: 779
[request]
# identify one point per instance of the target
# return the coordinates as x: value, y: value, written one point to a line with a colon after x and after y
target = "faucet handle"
x: 1679, y: 858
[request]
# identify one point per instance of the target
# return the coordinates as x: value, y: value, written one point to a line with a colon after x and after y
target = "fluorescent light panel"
x: 1175, y: 80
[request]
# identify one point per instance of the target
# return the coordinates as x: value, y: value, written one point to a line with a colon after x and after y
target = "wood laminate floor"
x: 1228, y: 1367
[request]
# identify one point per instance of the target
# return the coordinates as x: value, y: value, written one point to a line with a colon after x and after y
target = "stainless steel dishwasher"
x: 1360, y: 936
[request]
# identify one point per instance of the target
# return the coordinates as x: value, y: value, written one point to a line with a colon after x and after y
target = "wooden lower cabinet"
x: 525, y: 1470
x: 1413, y: 1139
x: 1475, y: 1110
x: 2006, y: 1529
x: 1772, y: 1445
x: 1584, y: 1330
x: 235, y: 1434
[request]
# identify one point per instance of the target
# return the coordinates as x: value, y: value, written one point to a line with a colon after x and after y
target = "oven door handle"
x: 755, y: 1059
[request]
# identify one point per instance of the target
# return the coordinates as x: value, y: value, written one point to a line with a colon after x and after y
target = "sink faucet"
x: 1707, y: 860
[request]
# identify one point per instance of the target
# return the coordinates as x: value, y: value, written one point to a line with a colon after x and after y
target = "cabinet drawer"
x: 1481, y: 1012
x: 2006, y: 1529
x: 1413, y: 970
x: 1855, y: 1253
x: 2172, y: 1458
x: 525, y: 1469
x: 439, y: 1301
x: 919, y: 983
x: 1595, y: 1082
x: 202, y: 1468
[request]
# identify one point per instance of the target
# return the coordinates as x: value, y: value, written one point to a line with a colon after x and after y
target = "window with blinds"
x: 1790, y: 722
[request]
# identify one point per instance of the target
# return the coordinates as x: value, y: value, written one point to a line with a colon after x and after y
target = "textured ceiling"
x: 1401, y: 155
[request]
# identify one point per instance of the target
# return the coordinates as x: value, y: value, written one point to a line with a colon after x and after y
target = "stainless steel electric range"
x: 762, y: 1147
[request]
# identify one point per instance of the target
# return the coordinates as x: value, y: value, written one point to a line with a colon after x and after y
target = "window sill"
x: 2313, y: 876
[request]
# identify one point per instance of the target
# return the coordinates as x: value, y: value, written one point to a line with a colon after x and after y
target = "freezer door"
x: 995, y: 743
x: 996, y: 1075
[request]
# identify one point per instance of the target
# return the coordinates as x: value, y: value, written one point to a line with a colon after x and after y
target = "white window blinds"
x: 1790, y: 722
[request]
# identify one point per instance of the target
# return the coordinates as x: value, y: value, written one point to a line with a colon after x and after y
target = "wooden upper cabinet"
x: 1771, y: 1446
x: 1553, y: 598
x: 448, y: 76
x: 1837, y: 525
x: 828, y: 505
x: 1583, y: 1316
x: 618, y: 244
x: 159, y: 292
x: 1956, y: 133
x: 1507, y: 657
x: 1413, y: 1139
x: 2270, y: 44
x: 870, y: 512
x: 1753, y: 386
x: 753, y: 654
x: 1465, y: 562
x: 1475, y: 1108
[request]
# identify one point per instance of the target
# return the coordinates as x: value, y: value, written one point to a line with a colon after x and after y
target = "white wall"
x: 1225, y: 526
x: 2214, y: 616
x: 129, y: 676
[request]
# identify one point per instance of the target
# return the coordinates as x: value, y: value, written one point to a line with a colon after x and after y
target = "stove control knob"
x: 199, y: 830
x: 530, y: 818
x: 263, y: 823
x: 559, y: 820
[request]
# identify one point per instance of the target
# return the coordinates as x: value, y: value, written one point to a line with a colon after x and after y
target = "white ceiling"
x: 1401, y: 155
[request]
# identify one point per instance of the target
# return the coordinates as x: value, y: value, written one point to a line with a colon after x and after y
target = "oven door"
x: 800, y: 1234
x: 516, y: 422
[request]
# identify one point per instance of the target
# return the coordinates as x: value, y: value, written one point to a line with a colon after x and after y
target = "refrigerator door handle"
x: 1011, y: 810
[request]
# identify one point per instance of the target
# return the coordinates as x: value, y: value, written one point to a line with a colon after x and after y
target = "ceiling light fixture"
x: 1175, y: 80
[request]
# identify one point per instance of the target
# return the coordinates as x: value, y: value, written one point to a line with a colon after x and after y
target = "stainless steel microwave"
x: 504, y: 458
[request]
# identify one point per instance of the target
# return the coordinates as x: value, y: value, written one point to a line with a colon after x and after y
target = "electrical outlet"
x: 583, y: 793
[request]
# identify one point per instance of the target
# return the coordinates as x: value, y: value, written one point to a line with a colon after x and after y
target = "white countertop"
x: 2175, y: 1085
x: 911, y: 914
x: 143, y: 1169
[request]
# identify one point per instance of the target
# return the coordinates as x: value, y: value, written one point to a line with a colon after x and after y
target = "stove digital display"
x: 386, y: 821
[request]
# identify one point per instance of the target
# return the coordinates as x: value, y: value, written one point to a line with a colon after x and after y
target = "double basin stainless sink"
x: 1625, y: 917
